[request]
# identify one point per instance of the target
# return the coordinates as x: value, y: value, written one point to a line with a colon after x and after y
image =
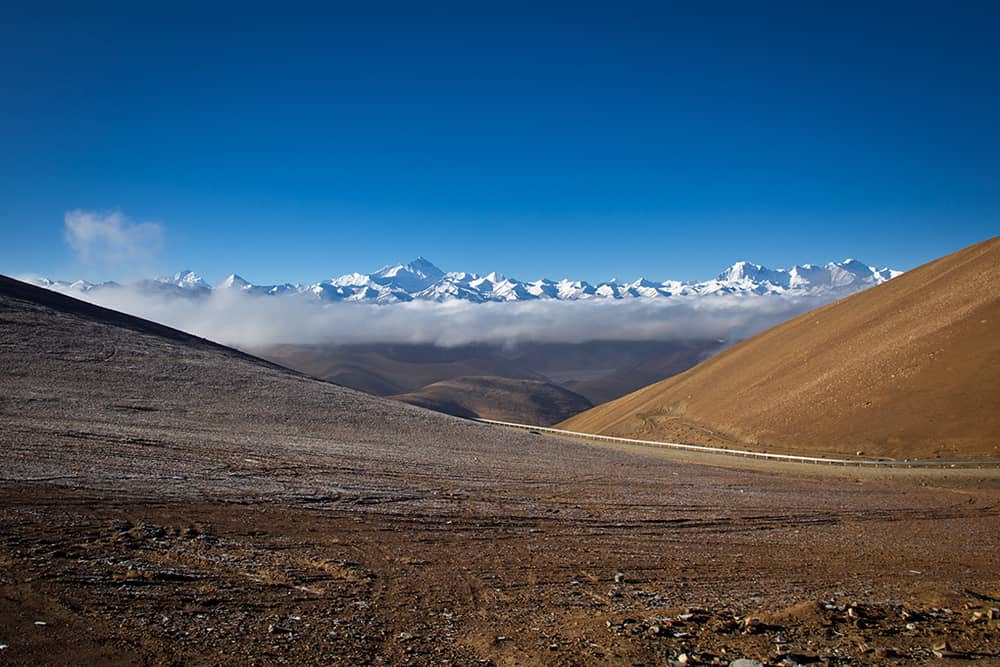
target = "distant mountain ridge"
x: 420, y: 280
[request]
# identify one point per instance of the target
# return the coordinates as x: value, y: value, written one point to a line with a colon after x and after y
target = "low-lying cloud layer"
x: 247, y: 321
x: 253, y: 321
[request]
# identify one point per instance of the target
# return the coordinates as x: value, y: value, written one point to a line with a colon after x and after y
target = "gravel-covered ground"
x: 167, y: 501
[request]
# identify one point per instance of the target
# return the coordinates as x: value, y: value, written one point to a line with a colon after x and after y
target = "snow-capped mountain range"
x: 420, y: 280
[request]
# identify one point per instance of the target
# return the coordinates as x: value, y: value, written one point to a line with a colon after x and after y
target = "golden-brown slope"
x: 909, y: 369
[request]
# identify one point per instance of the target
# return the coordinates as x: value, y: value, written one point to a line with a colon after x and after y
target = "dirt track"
x: 163, y: 501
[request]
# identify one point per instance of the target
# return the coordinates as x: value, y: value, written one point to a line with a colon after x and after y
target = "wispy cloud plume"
x: 111, y: 237
x: 249, y: 321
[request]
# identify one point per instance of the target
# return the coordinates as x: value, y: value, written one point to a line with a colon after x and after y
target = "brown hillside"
x: 387, y: 369
x: 597, y: 370
x: 909, y: 369
x: 506, y: 399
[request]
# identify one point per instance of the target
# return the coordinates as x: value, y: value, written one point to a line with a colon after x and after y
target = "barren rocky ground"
x: 167, y: 501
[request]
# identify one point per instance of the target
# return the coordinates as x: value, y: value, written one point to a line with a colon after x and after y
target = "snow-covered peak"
x: 609, y: 291
x: 542, y: 289
x: 418, y: 267
x: 753, y: 273
x: 805, y: 275
x: 234, y: 281
x: 424, y: 267
x: 574, y: 289
x: 641, y: 282
x: 37, y: 281
x: 410, y: 277
x: 855, y: 266
x: 461, y: 276
x: 351, y: 279
x: 185, y: 279
x: 844, y: 274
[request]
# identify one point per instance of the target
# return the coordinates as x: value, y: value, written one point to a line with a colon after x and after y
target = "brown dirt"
x: 909, y: 369
x: 166, y: 501
x: 522, y: 401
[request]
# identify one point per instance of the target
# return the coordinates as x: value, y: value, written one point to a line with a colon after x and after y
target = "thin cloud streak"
x: 111, y: 237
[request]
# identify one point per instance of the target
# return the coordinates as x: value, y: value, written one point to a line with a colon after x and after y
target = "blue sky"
x: 585, y: 142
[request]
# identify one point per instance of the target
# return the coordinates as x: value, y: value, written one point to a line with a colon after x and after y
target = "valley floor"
x: 365, y: 564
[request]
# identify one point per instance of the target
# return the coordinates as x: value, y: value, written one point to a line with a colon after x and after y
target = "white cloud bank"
x: 247, y: 321
x: 111, y: 237
x: 250, y: 321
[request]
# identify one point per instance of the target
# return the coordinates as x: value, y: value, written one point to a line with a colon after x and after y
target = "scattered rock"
x: 619, y: 577
x: 280, y: 630
x: 947, y: 654
x: 746, y: 662
x: 798, y: 660
x: 755, y: 626
x: 943, y: 650
x: 890, y: 652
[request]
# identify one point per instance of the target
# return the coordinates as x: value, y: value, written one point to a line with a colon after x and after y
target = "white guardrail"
x: 885, y: 463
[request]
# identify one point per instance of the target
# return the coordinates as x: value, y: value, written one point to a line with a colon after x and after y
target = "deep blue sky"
x: 297, y: 143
